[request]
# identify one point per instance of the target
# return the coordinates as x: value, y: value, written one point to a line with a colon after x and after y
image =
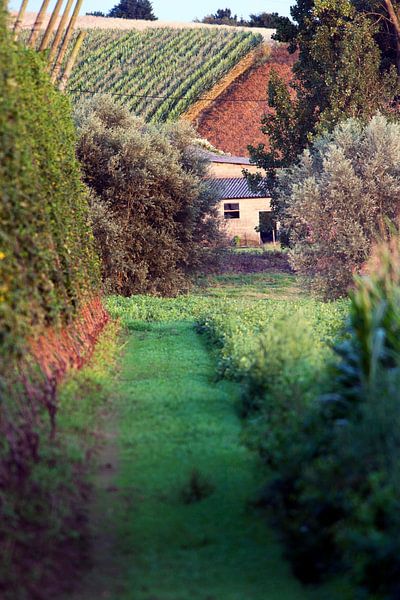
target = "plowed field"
x: 234, y: 120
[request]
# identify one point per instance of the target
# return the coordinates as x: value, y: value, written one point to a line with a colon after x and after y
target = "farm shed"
x: 242, y: 209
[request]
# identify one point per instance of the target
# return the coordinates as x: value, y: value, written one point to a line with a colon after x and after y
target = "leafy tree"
x: 338, y: 74
x: 223, y: 16
x: 133, y: 9
x: 154, y: 216
x: 335, y: 199
x: 268, y: 20
x: 96, y: 13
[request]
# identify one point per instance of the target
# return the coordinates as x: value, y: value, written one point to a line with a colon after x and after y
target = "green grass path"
x: 174, y: 418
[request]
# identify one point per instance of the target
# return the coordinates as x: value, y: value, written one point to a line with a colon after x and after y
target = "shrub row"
x: 49, y: 274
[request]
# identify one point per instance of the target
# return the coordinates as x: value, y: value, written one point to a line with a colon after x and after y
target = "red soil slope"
x: 231, y: 123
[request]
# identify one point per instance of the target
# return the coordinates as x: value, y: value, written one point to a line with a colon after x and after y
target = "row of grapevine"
x: 158, y: 73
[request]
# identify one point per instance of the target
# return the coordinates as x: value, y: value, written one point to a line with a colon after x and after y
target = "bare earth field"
x: 87, y: 22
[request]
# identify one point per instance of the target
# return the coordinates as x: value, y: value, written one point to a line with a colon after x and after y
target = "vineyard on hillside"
x: 158, y: 73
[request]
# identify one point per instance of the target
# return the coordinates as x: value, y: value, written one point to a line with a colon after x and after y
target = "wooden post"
x: 20, y: 18
x: 66, y: 40
x: 50, y: 27
x: 72, y: 60
x: 38, y: 23
x: 60, y: 32
x: 394, y: 19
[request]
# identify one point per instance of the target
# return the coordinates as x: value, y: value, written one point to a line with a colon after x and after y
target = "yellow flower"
x: 2, y: 256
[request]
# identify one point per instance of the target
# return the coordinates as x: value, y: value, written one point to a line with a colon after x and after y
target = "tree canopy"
x: 346, y: 68
x: 224, y: 16
x: 133, y: 9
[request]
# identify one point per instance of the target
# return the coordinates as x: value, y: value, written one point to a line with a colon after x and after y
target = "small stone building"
x: 247, y: 214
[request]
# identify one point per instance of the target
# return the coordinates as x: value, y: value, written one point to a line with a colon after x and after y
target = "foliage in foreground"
x: 48, y: 266
x: 189, y: 62
x: 154, y: 217
x: 48, y: 273
x: 44, y: 496
x: 333, y: 202
x: 337, y: 487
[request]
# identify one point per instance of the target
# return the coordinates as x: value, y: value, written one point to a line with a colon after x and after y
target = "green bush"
x: 336, y: 198
x: 154, y: 216
x: 337, y: 489
x: 48, y: 265
x: 48, y: 270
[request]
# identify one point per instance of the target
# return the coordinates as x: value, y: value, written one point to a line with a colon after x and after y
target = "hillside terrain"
x: 233, y: 121
x: 91, y: 22
x: 157, y: 73
x: 216, y: 77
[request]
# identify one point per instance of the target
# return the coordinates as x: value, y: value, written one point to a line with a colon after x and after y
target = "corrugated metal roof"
x: 229, y: 188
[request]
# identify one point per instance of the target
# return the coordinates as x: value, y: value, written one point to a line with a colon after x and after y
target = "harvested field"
x: 88, y: 22
x: 233, y: 120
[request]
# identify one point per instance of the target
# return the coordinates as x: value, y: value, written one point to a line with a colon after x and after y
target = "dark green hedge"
x: 47, y: 260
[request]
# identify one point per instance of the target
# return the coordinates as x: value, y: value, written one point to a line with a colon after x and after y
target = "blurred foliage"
x: 337, y: 486
x: 48, y: 266
x: 48, y: 272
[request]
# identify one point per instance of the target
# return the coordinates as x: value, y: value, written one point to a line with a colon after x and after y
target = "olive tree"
x: 338, y: 198
x: 155, y: 219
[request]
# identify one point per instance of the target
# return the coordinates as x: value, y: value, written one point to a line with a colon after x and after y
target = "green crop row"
x: 252, y: 336
x: 158, y: 73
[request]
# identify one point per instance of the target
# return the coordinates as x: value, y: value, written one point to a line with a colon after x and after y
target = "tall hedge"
x: 47, y: 259
x: 48, y: 270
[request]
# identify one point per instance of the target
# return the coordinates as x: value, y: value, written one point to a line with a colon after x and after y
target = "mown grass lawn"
x: 282, y: 286
x: 176, y: 420
x: 181, y: 503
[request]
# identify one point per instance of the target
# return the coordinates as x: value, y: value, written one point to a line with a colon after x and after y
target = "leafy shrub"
x: 154, y: 217
x: 48, y: 272
x: 48, y: 266
x: 337, y: 196
x: 337, y: 490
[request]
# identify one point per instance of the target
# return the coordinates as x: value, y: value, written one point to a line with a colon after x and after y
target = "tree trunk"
x: 38, y: 23
x: 20, y: 18
x: 394, y: 19
x: 72, y: 60
x: 50, y: 27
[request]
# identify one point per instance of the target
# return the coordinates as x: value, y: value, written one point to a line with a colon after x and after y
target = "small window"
x: 231, y: 211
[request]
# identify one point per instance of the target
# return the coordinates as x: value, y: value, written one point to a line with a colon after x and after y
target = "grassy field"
x: 252, y: 286
x: 176, y: 510
x: 181, y: 501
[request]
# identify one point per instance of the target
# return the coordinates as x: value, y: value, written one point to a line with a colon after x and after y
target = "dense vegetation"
x: 155, y: 219
x: 188, y: 63
x: 338, y: 198
x: 48, y: 266
x: 48, y: 274
x: 342, y: 71
x: 336, y: 492
x: 318, y: 402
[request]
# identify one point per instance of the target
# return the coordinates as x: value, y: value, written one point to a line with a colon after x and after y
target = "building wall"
x: 220, y: 170
x: 244, y: 227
